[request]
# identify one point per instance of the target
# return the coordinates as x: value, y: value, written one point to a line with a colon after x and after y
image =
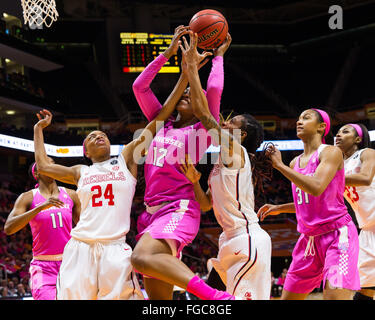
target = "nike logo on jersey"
x: 236, y: 253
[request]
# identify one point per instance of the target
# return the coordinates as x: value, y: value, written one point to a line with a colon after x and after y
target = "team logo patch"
x: 248, y: 295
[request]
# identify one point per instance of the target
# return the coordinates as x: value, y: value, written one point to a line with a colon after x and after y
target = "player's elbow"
x: 42, y: 167
x: 137, y: 86
x: 215, y: 89
x: 8, y: 229
x: 366, y: 181
x: 206, y: 207
x: 317, y: 191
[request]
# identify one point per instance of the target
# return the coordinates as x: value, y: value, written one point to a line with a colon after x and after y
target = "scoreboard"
x: 139, y: 49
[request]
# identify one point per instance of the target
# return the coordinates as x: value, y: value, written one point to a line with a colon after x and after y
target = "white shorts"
x: 366, y: 258
x: 98, y: 270
x: 244, y: 262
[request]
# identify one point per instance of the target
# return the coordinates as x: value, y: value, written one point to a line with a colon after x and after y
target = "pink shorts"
x: 332, y: 256
x: 178, y: 220
x: 43, y: 276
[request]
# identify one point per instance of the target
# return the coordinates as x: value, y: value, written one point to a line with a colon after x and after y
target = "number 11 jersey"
x: 106, y: 190
x: 361, y: 199
x: 51, y: 227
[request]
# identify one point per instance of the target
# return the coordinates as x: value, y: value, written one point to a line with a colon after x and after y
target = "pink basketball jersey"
x: 51, y: 228
x: 163, y: 176
x: 164, y: 179
x: 324, y: 213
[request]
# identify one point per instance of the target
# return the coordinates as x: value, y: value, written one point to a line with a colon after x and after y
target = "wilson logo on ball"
x: 211, y: 27
x: 207, y: 36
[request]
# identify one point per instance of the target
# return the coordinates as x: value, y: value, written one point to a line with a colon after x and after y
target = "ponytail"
x: 261, y: 165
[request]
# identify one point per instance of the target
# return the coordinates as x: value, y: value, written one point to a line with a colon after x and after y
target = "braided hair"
x: 261, y: 165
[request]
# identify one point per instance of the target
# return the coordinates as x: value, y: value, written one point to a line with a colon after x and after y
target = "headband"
x: 33, y: 173
x: 358, y: 129
x: 84, y: 148
x: 326, y: 120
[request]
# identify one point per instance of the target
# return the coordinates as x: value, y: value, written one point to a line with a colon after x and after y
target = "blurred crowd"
x: 18, y: 81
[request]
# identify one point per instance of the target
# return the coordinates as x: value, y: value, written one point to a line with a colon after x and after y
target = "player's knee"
x: 139, y: 260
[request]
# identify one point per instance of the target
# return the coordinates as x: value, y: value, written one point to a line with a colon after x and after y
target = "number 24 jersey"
x: 106, y: 190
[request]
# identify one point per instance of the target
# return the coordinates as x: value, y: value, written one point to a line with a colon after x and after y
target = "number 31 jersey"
x: 323, y: 213
x: 106, y: 190
x: 361, y: 199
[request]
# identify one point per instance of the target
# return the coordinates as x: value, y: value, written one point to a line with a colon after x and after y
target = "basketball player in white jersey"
x: 359, y: 163
x: 96, y: 261
x: 244, y: 258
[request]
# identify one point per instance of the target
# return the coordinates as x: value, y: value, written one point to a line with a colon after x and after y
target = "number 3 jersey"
x: 51, y: 227
x: 106, y: 191
x: 324, y: 213
x: 361, y: 199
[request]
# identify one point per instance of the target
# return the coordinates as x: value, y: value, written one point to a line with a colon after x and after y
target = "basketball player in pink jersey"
x: 244, y: 258
x: 172, y: 217
x: 96, y: 261
x: 327, y: 249
x: 49, y: 210
x: 359, y: 161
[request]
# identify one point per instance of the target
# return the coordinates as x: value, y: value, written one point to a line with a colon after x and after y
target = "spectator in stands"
x: 12, y: 290
x: 21, y: 292
x: 281, y: 280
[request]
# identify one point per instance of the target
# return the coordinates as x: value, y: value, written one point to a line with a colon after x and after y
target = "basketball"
x: 211, y: 27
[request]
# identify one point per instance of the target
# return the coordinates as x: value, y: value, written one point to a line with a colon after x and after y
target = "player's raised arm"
x: 146, y: 99
x: 230, y: 148
x: 137, y: 148
x: 215, y: 81
x: 64, y: 174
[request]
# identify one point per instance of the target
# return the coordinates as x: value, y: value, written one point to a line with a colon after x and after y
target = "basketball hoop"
x: 39, y: 12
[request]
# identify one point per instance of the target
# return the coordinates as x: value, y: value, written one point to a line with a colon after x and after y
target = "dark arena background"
x: 284, y: 58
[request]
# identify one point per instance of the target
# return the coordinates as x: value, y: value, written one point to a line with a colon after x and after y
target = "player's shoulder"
x: 330, y: 151
x: 26, y: 196
x: 368, y: 152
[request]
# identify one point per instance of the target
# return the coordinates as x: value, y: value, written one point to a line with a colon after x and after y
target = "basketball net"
x: 39, y: 12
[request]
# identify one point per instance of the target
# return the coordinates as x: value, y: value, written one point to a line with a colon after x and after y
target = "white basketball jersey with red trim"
x: 232, y: 195
x: 361, y: 199
x: 106, y: 191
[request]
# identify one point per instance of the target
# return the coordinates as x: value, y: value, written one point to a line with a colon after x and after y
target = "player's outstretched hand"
x: 219, y: 51
x: 275, y: 155
x: 175, y: 42
x: 189, y: 170
x: 45, y: 118
x: 266, y: 210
